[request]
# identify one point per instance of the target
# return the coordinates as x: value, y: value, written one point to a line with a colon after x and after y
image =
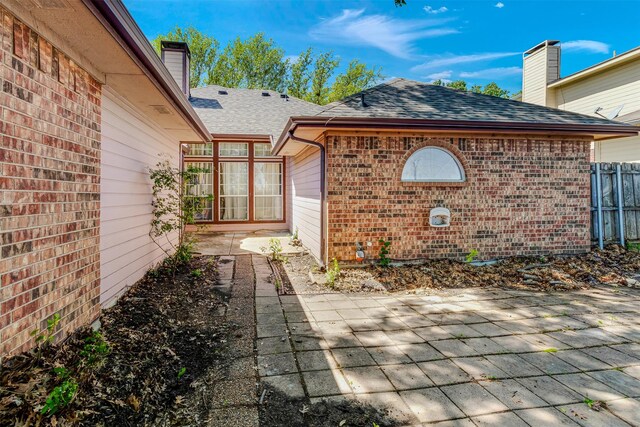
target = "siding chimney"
x: 176, y: 57
x: 541, y: 66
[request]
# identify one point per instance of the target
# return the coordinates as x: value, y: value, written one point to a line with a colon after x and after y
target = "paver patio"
x: 468, y: 356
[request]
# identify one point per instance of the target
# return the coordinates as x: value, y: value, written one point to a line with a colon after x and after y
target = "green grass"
x: 550, y: 350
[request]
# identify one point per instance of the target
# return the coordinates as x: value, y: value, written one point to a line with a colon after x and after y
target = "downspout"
x: 322, y: 188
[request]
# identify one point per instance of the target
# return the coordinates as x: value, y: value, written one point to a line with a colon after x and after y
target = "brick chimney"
x: 541, y: 66
x: 176, y: 57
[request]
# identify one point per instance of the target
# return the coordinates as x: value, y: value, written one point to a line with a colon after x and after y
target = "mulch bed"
x: 612, y: 266
x: 167, y: 344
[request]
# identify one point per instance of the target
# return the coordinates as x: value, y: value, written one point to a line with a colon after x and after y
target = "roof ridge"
x: 379, y: 86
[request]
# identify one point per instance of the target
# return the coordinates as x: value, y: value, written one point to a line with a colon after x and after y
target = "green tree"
x: 357, y: 77
x: 203, y: 50
x: 324, y: 67
x: 494, y: 90
x: 458, y: 84
x: 254, y: 63
x: 300, y: 75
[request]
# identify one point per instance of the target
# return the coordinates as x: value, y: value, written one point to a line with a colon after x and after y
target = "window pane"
x: 200, y: 185
x: 234, y: 191
x: 432, y: 164
x: 234, y: 149
x: 262, y: 150
x: 267, y: 183
x: 201, y: 150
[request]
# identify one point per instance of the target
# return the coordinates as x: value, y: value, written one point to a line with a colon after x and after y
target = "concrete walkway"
x: 479, y: 357
x: 242, y: 243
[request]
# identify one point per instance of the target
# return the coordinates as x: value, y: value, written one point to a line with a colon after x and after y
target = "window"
x: 262, y: 150
x: 234, y: 149
x: 234, y: 191
x: 201, y: 150
x: 432, y: 164
x: 267, y: 183
x: 201, y: 187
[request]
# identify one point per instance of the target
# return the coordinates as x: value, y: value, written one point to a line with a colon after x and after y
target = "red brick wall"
x: 521, y: 196
x: 49, y: 188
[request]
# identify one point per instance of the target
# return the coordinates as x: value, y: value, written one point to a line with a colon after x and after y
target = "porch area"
x: 243, y: 242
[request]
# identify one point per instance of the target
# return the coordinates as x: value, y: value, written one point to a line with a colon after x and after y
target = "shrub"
x: 274, y: 249
x: 471, y: 256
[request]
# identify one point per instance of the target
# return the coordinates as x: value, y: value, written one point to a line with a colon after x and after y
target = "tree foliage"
x: 489, y: 89
x: 259, y: 63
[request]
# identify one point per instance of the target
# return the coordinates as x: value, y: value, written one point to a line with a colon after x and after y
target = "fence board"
x: 630, y: 176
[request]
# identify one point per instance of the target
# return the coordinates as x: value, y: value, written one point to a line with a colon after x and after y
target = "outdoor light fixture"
x: 439, y: 217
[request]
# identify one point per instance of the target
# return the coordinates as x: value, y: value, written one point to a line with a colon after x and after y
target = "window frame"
x: 216, y: 159
x: 436, y: 181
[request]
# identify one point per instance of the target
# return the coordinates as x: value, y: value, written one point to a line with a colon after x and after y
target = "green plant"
x: 62, y: 394
x: 181, y: 372
x: 274, y: 249
x: 384, y: 260
x: 550, y: 350
x: 47, y: 335
x: 176, y: 203
x: 589, y: 402
x: 95, y: 349
x: 197, y: 273
x: 333, y: 272
x: 471, y: 256
x: 294, y: 236
x: 633, y: 246
x: 277, y: 283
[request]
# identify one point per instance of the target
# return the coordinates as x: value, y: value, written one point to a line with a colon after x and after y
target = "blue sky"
x: 479, y: 41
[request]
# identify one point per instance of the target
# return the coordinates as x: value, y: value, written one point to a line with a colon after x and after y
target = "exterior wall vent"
x: 439, y: 217
x: 223, y: 92
x: 266, y: 94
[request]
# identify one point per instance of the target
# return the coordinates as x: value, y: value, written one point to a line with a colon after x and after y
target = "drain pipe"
x: 322, y: 187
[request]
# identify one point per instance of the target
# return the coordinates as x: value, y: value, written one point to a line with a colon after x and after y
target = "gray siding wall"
x: 305, y: 198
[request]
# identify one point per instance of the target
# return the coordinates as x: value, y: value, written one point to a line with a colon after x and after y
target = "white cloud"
x: 440, y: 75
x: 499, y: 5
x: 446, y: 61
x: 491, y: 73
x: 586, y: 46
x: 292, y: 58
x: 434, y: 11
x: 394, y: 36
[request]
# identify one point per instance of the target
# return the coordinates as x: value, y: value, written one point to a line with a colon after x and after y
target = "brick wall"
x: 49, y: 187
x: 522, y: 196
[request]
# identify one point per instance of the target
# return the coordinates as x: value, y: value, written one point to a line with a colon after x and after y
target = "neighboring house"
x: 609, y: 89
x: 86, y: 107
x: 437, y: 171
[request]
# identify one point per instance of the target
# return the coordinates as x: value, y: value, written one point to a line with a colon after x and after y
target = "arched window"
x: 432, y: 164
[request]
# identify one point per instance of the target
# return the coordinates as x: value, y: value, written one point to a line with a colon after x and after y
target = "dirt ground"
x: 166, y: 341
x: 613, y: 266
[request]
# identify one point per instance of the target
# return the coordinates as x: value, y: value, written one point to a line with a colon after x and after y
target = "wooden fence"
x: 615, y: 202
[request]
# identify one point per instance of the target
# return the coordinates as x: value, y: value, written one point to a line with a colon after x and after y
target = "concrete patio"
x: 242, y: 243
x: 470, y: 357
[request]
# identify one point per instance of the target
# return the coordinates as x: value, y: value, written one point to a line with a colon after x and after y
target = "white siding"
x: 130, y: 144
x: 305, y: 198
x: 173, y: 62
x: 608, y: 89
x: 534, y: 78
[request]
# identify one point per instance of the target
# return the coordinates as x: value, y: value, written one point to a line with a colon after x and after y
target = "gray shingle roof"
x: 408, y: 99
x: 246, y: 111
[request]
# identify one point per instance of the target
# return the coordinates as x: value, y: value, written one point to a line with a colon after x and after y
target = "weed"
x: 618, y: 368
x: 550, y: 350
x: 274, y: 249
x: 633, y: 246
x: 61, y: 395
x: 384, y: 260
x: 333, y: 272
x: 589, y: 402
x: 46, y: 336
x: 492, y: 378
x: 471, y: 256
x: 95, y: 349
x: 459, y: 336
x: 277, y: 283
x: 181, y: 372
x: 294, y: 236
x: 197, y: 273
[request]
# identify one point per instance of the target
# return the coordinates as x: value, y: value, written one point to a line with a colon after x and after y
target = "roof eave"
x: 117, y: 20
x: 597, y: 131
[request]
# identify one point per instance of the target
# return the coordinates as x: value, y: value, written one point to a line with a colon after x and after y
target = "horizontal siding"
x: 608, y: 90
x: 173, y: 62
x: 305, y: 199
x: 618, y: 150
x: 534, y: 81
x: 130, y: 145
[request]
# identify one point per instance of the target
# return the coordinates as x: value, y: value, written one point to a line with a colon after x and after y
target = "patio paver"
x: 458, y: 358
